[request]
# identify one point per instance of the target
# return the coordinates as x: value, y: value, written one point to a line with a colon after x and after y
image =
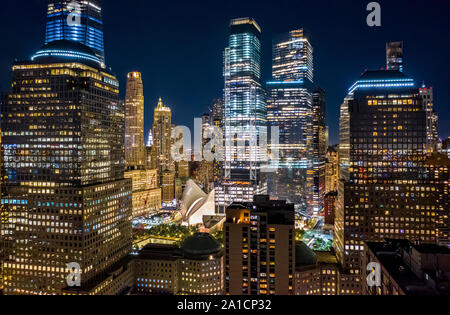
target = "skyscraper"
x: 259, y: 248
x: 320, y: 145
x: 162, y: 138
x: 245, y: 115
x: 88, y: 30
x: 290, y: 107
x: 384, y: 190
x: 134, y: 121
x: 63, y: 161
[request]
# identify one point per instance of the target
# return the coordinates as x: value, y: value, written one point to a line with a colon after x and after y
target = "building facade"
x: 146, y: 191
x: 384, y: 188
x: 88, y: 30
x: 244, y: 115
x: 332, y: 169
x: 290, y: 108
x: 162, y: 138
x: 135, y: 154
x: 259, y: 248
x: 195, y: 268
x: 63, y: 165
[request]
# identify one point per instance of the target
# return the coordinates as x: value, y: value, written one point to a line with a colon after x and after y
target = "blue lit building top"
x: 382, y: 79
x: 89, y: 30
x: 64, y: 50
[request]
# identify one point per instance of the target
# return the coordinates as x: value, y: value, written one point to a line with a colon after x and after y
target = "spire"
x: 160, y: 104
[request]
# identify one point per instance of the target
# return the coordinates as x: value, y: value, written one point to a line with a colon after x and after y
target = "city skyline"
x: 183, y: 90
x: 265, y: 203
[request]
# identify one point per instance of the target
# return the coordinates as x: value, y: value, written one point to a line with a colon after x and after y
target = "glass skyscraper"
x: 245, y: 115
x: 88, y: 32
x: 290, y: 107
x: 63, y: 165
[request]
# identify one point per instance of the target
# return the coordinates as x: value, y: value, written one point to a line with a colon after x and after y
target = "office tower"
x: 216, y: 112
x: 437, y: 166
x: 195, y: 268
x: 394, y: 56
x: 316, y: 273
x: 332, y: 169
x: 207, y: 125
x: 168, y: 186
x: 409, y: 269
x: 384, y: 189
x: 259, y: 247
x: 244, y: 115
x: 329, y: 208
x: 182, y: 170
x: 134, y: 121
x: 162, y: 138
x: 320, y: 145
x: 290, y: 107
x: 64, y: 185
x: 89, y: 30
x: 146, y: 191
x: 432, y: 120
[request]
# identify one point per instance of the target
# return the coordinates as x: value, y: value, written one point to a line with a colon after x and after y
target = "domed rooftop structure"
x: 304, y: 255
x: 200, y: 244
x: 67, y: 50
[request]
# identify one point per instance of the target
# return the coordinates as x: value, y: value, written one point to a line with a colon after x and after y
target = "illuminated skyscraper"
x: 135, y: 154
x: 63, y: 165
x: 384, y: 190
x: 162, y: 140
x: 89, y: 30
x: 290, y: 107
x: 320, y: 145
x: 244, y: 114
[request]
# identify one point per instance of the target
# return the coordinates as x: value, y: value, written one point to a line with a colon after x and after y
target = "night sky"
x: 178, y: 45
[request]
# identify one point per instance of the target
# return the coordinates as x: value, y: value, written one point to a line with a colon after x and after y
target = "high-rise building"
x: 290, y: 107
x: 432, y: 120
x: 329, y: 208
x: 259, y: 248
x: 146, y: 191
x: 245, y: 115
x: 162, y: 138
x: 168, y: 186
x: 384, y: 189
x: 85, y: 28
x: 63, y: 165
x: 437, y: 169
x: 332, y: 169
x: 134, y: 121
x: 216, y: 112
x: 320, y: 145
x: 394, y: 56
